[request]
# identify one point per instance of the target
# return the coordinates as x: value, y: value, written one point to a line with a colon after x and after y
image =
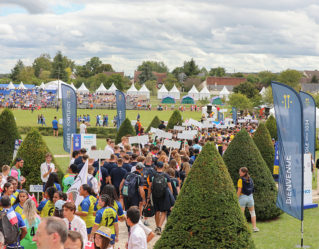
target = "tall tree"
x: 247, y: 88
x: 217, y: 71
x: 43, y: 62
x: 190, y: 68
x: 146, y: 74
x: 60, y: 63
x: 154, y: 66
x: 170, y: 81
x: 290, y: 77
x: 239, y: 101
x: 266, y: 77
x: 16, y: 70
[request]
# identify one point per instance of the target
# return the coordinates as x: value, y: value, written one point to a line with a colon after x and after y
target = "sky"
x: 242, y: 36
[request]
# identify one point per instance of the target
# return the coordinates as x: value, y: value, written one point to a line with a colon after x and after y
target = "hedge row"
x: 47, y: 131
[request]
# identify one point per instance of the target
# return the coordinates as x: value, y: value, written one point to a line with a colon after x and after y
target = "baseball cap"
x: 59, y: 204
x: 139, y: 165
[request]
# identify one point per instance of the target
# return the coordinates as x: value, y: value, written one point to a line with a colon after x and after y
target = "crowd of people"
x: 133, y: 185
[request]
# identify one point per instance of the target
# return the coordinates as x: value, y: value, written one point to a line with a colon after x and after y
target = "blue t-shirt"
x: 127, y: 167
x: 109, y: 166
x: 55, y: 124
x: 117, y: 176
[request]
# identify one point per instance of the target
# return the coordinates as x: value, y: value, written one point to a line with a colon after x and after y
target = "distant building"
x: 310, y: 77
x: 216, y: 84
x: 310, y: 87
x: 111, y: 73
x: 160, y: 77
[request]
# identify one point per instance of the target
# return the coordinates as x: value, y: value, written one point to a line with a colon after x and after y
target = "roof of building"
x: 159, y: 76
x: 225, y: 81
x: 310, y: 87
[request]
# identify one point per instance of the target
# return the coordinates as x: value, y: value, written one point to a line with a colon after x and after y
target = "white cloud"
x: 245, y: 36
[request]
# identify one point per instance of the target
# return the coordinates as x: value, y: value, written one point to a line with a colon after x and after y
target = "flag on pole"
x: 288, y: 110
x: 79, y: 181
x: 120, y: 107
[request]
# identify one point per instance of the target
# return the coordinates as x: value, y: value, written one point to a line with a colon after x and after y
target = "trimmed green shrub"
x: 125, y: 129
x: 242, y: 152
x: 206, y: 213
x: 175, y: 119
x: 272, y: 126
x: 8, y: 134
x: 155, y: 123
x: 263, y: 141
x: 33, y: 150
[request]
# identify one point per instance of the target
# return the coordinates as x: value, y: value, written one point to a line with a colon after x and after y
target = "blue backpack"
x: 248, y: 186
x: 130, y: 186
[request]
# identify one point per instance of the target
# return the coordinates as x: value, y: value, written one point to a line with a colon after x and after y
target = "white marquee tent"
x: 112, y: 89
x: 174, y: 93
x: 83, y: 89
x: 21, y: 86
x: 132, y: 90
x: 194, y: 93
x: 101, y: 89
x: 224, y: 93
x: 54, y: 85
x: 144, y: 91
x: 263, y: 92
x: 42, y: 86
x: 204, y: 93
x: 162, y: 92
x: 10, y: 86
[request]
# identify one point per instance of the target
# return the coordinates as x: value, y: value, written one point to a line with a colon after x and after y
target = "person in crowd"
x: 137, y: 238
x: 16, y: 187
x: 18, y: 205
x: 5, y: 173
x: 111, y: 164
x: 53, y: 181
x: 32, y: 221
x: 6, y: 208
x: 16, y: 170
x: 69, y: 177
x: 174, y: 182
x: 115, y: 203
x: 110, y: 145
x: 245, y: 191
x: 80, y: 165
x: 83, y: 128
x: 92, y: 181
x: 126, y: 163
x: 72, y: 221
x: 162, y: 125
x: 8, y: 191
x: 86, y: 208
x: 46, y: 168
x: 46, y: 207
x: 75, y: 155
x: 106, y: 216
x: 74, y: 240
x: 158, y: 188
x: 102, y: 238
x: 2, y: 246
x: 79, y: 160
x: 55, y: 127
x: 58, y: 207
x: 117, y: 175
x: 51, y: 234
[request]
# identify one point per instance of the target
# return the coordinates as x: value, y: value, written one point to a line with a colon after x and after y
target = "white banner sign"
x: 100, y: 154
x: 163, y: 134
x: 195, y: 123
x: 138, y: 139
x: 36, y: 188
x: 172, y: 144
x: 179, y: 128
x: 153, y: 130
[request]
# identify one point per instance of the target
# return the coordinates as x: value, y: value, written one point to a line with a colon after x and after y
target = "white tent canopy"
x: 204, y: 93
x: 112, y: 89
x: 21, y: 86
x: 224, y: 93
x: 162, y: 92
x: 263, y: 91
x: 194, y: 93
x: 132, y: 90
x: 73, y: 86
x: 11, y: 86
x: 42, y: 86
x: 83, y: 89
x: 54, y: 85
x: 144, y: 91
x: 101, y: 89
x: 174, y: 93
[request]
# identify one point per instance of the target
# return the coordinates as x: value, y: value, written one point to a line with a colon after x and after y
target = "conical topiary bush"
x: 263, y: 141
x: 175, y: 119
x: 33, y: 150
x: 206, y: 213
x: 272, y: 126
x: 155, y: 123
x: 242, y: 152
x: 125, y: 129
x: 8, y: 134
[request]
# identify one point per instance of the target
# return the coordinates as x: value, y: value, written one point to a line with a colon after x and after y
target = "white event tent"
x: 101, y: 89
x: 73, y: 86
x: 162, y: 92
x: 204, y: 93
x: 55, y: 85
x: 42, y: 86
x: 11, y: 86
x: 132, y: 90
x: 21, y: 86
x: 174, y: 93
x: 83, y: 89
x: 112, y: 89
x: 224, y: 93
x: 194, y: 93
x: 144, y: 91
x: 263, y: 91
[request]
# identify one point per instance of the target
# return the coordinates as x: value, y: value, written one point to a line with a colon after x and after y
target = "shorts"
x: 55, y: 129
x: 113, y: 239
x: 246, y: 201
x: 89, y: 230
x: 129, y: 202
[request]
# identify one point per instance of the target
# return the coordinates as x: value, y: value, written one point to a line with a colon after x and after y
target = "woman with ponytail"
x: 245, y: 194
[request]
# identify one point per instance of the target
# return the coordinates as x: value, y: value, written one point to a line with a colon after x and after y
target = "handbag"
x: 148, y: 210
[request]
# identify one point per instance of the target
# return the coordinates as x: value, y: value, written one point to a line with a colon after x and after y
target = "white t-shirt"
x: 82, y: 128
x: 78, y: 225
x: 137, y: 239
x: 45, y: 169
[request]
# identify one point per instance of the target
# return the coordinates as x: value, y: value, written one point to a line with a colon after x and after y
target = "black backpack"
x: 146, y: 172
x: 159, y: 185
x: 130, y: 186
x: 10, y: 232
x: 248, y: 186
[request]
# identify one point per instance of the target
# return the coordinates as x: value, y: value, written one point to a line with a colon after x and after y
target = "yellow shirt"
x: 87, y: 206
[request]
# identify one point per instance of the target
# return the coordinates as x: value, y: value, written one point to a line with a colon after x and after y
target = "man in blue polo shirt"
x: 55, y: 127
x: 14, y: 218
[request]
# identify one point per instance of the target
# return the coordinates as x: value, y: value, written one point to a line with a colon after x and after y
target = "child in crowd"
x: 23, y: 196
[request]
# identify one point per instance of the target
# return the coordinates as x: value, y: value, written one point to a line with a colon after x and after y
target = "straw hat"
x: 105, y: 232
